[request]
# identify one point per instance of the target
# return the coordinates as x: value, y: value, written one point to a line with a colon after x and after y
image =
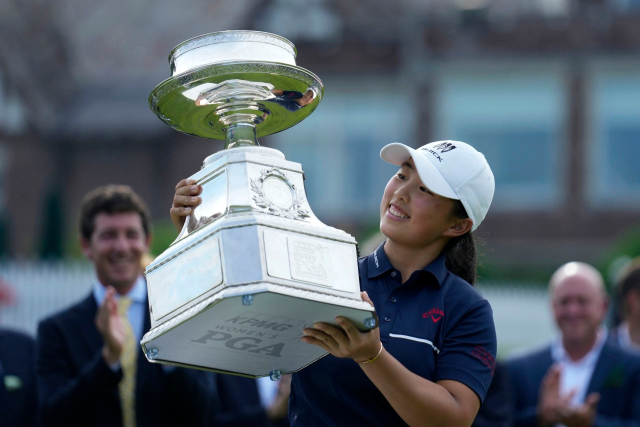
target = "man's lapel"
x: 91, y: 338
x: 607, y: 369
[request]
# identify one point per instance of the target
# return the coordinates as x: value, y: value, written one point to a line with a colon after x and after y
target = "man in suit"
x: 250, y: 402
x: 90, y: 368
x: 18, y: 401
x: 497, y: 408
x: 627, y: 334
x: 581, y: 379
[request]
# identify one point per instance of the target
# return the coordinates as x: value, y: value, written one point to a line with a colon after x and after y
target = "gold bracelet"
x: 374, y: 359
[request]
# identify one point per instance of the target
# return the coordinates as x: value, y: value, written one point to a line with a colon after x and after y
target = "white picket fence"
x: 521, y: 311
x: 42, y: 289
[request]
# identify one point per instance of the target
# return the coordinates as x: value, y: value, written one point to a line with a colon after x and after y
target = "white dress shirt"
x: 268, y: 390
x: 576, y: 375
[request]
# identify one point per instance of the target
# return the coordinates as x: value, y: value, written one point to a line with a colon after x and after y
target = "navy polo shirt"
x: 436, y: 324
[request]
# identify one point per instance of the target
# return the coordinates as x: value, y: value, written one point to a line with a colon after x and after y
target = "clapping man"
x: 581, y: 379
x: 90, y: 367
x: 18, y: 400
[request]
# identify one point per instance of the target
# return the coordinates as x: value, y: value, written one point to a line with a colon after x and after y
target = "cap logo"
x: 429, y: 150
x: 443, y: 147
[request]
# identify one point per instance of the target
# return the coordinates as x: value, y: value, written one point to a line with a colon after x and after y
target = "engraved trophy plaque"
x: 252, y: 265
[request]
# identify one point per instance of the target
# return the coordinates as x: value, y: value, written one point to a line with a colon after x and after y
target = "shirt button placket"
x: 389, y: 311
x: 389, y: 317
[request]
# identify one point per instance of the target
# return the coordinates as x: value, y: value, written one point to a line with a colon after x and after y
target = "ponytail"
x: 460, y: 252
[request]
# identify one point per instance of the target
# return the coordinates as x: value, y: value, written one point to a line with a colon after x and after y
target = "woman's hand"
x: 345, y: 341
x: 184, y: 201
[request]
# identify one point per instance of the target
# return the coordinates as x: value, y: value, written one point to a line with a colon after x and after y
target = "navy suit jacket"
x: 616, y: 377
x: 18, y: 406
x: 497, y: 408
x: 77, y: 388
x: 240, y: 404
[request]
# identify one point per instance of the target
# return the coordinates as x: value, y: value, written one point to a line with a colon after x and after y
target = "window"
x: 12, y: 114
x: 627, y: 5
x: 613, y: 180
x: 515, y: 116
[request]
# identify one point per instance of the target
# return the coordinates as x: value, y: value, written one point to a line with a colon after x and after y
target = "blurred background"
x: 548, y: 90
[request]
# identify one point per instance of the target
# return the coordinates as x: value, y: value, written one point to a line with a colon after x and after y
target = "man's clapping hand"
x: 554, y: 408
x: 583, y: 415
x: 111, y: 328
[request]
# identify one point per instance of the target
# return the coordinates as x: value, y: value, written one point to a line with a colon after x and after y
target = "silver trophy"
x: 253, y: 265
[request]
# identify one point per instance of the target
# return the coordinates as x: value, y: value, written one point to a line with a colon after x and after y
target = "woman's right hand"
x: 184, y: 201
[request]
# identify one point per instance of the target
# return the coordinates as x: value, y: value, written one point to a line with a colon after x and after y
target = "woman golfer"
x: 431, y: 360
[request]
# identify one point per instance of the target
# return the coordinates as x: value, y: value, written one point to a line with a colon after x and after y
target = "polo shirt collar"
x: 379, y: 264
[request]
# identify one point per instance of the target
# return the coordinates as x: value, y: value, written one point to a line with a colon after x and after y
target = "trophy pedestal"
x: 250, y: 270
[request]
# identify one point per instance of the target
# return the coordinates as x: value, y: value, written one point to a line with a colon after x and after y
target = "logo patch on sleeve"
x: 485, y: 357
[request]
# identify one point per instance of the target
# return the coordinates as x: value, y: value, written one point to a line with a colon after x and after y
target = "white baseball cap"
x: 451, y: 169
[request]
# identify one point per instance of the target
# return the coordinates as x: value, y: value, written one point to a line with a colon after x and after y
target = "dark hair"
x: 460, y: 252
x: 111, y: 199
x: 631, y: 282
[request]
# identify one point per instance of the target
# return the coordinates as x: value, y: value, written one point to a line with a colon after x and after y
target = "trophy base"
x: 251, y: 330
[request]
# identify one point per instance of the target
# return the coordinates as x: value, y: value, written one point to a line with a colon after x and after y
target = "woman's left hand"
x: 346, y: 340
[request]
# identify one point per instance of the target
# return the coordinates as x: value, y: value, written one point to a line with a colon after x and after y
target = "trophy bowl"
x: 220, y: 78
x: 252, y: 266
